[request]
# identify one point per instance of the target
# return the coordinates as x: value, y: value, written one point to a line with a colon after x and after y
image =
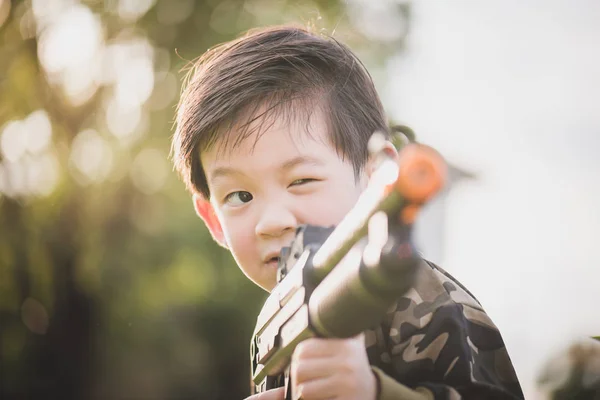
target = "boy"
x: 272, y: 132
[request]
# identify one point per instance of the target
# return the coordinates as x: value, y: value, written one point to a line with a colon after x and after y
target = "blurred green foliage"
x: 110, y: 287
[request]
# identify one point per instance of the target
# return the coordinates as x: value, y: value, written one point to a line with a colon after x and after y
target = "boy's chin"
x: 267, y: 278
x: 267, y: 286
x: 271, y: 281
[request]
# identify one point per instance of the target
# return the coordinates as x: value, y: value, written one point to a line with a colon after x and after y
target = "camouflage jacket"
x: 438, y: 337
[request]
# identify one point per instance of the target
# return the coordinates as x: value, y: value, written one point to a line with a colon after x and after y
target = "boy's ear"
x: 206, y: 211
x: 390, y: 149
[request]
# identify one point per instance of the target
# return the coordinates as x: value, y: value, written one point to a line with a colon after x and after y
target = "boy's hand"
x: 273, y: 394
x: 333, y: 369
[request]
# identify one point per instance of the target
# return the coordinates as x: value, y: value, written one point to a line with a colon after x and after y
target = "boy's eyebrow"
x: 286, y: 166
x: 289, y: 164
x: 222, y: 172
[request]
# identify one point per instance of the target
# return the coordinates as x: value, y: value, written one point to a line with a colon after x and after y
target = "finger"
x: 319, y: 347
x: 314, y: 347
x: 309, y: 369
x: 323, y: 348
x: 361, y: 337
x: 318, y: 389
x: 273, y: 394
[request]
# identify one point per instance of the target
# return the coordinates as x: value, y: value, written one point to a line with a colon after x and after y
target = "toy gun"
x: 338, y: 282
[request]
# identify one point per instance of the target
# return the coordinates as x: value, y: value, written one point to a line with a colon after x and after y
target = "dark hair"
x: 285, y: 69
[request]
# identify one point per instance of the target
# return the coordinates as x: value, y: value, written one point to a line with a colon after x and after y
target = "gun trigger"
x: 288, y: 383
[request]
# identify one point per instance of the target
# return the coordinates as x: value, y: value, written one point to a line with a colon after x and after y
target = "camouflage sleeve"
x: 389, y: 389
x: 438, y: 337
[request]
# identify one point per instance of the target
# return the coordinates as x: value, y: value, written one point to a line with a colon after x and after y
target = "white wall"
x: 510, y: 90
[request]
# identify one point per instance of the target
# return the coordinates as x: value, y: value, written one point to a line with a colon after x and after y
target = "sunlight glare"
x: 132, y: 10
x: 37, y: 132
x: 69, y: 48
x: 12, y: 143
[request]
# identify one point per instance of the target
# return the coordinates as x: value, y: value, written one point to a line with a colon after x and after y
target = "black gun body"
x: 351, y: 299
x: 282, y: 324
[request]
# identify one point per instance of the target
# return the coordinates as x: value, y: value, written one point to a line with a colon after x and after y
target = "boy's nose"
x: 275, y: 221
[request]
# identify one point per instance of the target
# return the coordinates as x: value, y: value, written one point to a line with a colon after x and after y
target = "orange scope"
x: 422, y: 173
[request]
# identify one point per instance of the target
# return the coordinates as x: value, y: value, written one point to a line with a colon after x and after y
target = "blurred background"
x: 111, y: 288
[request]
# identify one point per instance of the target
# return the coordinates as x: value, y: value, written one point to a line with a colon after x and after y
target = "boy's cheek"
x: 242, y: 246
x: 329, y: 209
x: 244, y: 249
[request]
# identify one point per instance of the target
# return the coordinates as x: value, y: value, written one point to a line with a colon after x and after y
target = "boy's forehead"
x: 270, y: 136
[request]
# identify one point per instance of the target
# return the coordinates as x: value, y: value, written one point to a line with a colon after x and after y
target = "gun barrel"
x: 358, y: 292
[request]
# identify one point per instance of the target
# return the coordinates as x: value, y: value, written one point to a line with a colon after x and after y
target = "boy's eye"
x: 302, y: 181
x: 238, y: 198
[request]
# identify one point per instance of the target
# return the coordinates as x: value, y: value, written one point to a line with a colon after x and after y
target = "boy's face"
x: 262, y: 190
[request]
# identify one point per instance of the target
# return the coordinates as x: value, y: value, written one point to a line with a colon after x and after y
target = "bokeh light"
x: 131, y: 71
x: 30, y: 166
x: 380, y: 20
x: 132, y: 10
x: 149, y: 170
x: 70, y: 44
x: 123, y: 122
x: 43, y: 174
x: 12, y: 144
x: 38, y: 131
x: 91, y: 157
x: 4, y: 10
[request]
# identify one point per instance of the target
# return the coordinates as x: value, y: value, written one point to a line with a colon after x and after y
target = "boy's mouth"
x: 272, y: 261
